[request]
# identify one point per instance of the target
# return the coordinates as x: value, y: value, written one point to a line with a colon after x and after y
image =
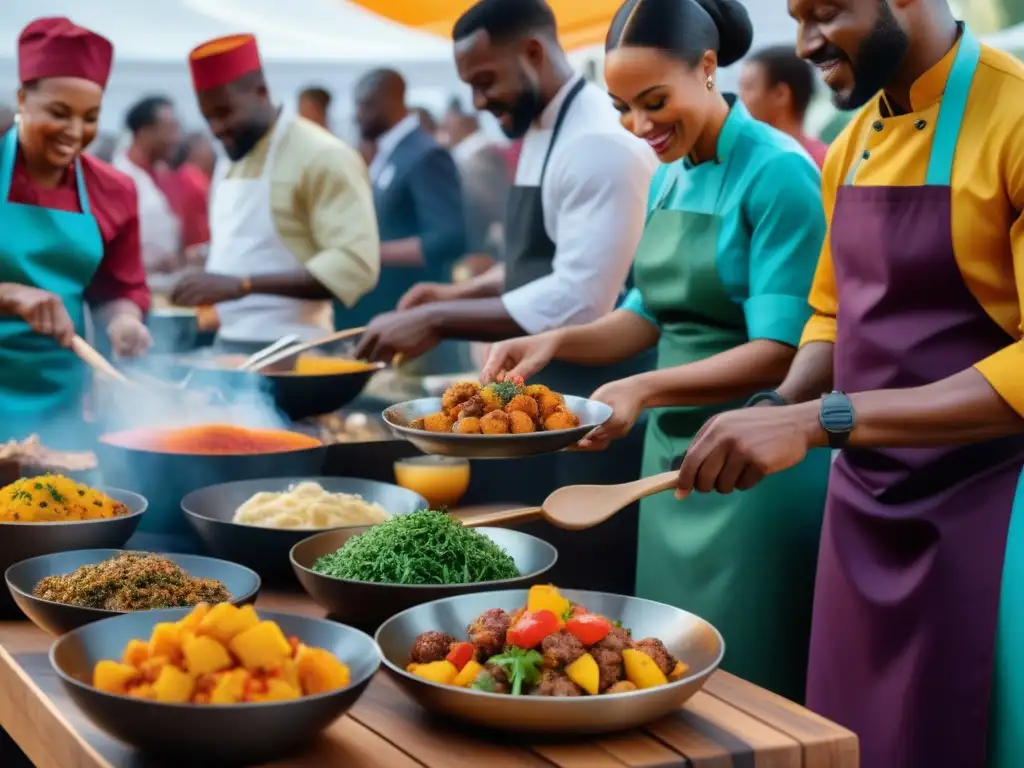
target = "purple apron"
x: 913, y: 542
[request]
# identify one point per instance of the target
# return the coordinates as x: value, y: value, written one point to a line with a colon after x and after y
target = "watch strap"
x: 766, y: 397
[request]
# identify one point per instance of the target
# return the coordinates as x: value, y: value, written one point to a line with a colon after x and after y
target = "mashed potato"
x: 308, y: 505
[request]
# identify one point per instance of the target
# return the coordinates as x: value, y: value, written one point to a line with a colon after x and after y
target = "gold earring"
x: 710, y: 83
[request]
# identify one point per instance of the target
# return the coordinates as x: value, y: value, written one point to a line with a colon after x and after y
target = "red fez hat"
x: 56, y: 47
x: 223, y: 60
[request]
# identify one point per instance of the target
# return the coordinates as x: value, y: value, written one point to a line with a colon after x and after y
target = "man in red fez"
x: 70, y: 235
x: 291, y: 215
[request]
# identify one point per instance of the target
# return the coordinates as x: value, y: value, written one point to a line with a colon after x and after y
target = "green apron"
x: 743, y: 561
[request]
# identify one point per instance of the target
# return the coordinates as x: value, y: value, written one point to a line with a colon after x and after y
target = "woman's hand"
x: 43, y: 311
x: 128, y: 336
x: 524, y: 356
x: 626, y: 397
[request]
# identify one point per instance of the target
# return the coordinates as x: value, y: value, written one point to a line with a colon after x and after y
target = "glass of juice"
x: 441, y: 480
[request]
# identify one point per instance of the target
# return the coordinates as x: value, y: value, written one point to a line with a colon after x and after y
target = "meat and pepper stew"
x: 550, y: 647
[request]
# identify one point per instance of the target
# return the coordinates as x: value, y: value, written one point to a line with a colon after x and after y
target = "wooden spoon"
x: 96, y: 361
x: 298, y: 349
x: 577, y: 507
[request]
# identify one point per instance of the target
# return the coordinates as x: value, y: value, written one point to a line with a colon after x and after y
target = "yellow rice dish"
x: 55, y: 499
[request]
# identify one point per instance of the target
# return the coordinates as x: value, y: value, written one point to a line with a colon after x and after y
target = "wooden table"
x: 730, y: 724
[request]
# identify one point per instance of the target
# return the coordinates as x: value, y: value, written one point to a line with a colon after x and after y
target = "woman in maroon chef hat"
x: 70, y: 234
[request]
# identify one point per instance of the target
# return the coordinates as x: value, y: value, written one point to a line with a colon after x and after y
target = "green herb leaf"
x: 522, y: 667
x: 484, y: 682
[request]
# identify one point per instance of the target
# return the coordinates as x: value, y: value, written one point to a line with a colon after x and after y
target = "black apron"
x: 601, y: 558
x: 529, y: 256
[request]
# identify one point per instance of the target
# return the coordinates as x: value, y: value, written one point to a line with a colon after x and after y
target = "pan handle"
x: 502, y: 518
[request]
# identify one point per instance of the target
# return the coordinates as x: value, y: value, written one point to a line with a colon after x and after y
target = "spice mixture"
x: 131, y: 581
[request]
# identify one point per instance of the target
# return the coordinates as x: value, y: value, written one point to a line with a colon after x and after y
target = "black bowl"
x: 190, y: 734
x: 367, y: 605
x: 20, y: 541
x: 209, y: 511
x: 58, y: 618
x: 166, y: 478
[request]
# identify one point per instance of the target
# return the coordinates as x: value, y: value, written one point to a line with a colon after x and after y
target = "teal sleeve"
x: 634, y: 303
x: 787, y: 221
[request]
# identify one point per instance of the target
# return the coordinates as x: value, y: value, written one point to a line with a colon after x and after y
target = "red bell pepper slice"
x: 461, y: 654
x: 531, y: 629
x: 589, y: 628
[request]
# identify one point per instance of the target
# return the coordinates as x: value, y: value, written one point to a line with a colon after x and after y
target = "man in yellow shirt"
x: 919, y: 608
x: 292, y: 223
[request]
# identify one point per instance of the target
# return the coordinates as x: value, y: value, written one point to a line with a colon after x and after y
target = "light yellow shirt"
x: 322, y: 206
x: 987, y: 197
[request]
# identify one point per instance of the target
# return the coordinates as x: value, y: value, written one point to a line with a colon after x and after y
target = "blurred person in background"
x: 198, y: 154
x: 70, y: 236
x: 417, y: 194
x: 367, y: 151
x: 155, y: 133
x: 104, y: 147
x: 485, y: 178
x: 291, y: 216
x: 315, y: 106
x: 6, y: 119
x: 777, y: 87
x: 427, y: 120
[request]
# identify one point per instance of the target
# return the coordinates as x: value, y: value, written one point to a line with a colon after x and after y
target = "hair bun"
x: 735, y: 32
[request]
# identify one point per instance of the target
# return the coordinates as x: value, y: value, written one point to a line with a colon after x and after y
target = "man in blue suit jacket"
x: 417, y: 195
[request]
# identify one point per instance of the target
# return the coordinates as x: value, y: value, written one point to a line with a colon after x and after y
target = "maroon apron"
x: 913, y: 542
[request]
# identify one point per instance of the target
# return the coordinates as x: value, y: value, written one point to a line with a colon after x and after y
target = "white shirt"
x: 595, y: 204
x: 469, y: 146
x: 389, y: 140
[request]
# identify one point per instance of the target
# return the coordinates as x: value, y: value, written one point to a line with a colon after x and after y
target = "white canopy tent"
x: 313, y: 42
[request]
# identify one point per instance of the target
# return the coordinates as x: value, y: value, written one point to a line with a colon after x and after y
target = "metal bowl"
x: 210, y: 511
x: 591, y: 414
x: 58, y: 618
x: 166, y: 478
x: 688, y: 637
x: 190, y: 734
x: 367, y: 604
x: 20, y: 541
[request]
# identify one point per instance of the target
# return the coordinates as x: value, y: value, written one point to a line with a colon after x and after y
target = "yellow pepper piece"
x: 443, y: 672
x: 585, y: 673
x: 468, y: 674
x: 641, y: 670
x: 546, y: 597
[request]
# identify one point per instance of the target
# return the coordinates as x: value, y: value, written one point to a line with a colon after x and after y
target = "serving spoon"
x: 576, y: 507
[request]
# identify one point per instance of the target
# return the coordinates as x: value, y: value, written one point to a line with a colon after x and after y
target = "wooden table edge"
x: 33, y: 736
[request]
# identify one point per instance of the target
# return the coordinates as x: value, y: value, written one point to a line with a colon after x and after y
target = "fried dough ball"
x: 523, y: 404
x: 563, y: 418
x: 437, y: 422
x: 536, y: 390
x: 467, y: 425
x: 457, y: 394
x: 417, y: 424
x: 491, y: 399
x: 473, y: 407
x: 520, y: 423
x: 550, y: 402
x: 495, y: 423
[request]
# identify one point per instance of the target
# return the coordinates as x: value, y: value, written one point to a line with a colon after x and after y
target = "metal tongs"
x: 287, y: 347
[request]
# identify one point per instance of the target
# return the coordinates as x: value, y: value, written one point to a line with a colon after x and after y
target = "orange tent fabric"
x: 581, y: 23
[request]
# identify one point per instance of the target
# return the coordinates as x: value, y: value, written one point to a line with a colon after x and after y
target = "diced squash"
x: 585, y: 673
x: 136, y: 652
x: 194, y: 617
x: 320, y: 671
x: 411, y: 667
x: 678, y: 671
x: 468, y: 674
x: 277, y: 690
x: 112, y: 677
x: 166, y: 641
x: 224, y: 621
x: 204, y: 655
x: 150, y: 668
x: 262, y: 646
x: 230, y: 687
x: 142, y: 691
x: 290, y: 674
x: 546, y: 597
x: 443, y: 672
x: 641, y: 669
x: 174, y: 686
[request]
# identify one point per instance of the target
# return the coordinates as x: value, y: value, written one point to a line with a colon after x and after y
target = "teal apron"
x: 743, y: 561
x: 41, y: 383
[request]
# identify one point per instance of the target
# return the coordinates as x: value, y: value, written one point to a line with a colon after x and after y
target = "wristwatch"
x: 766, y: 397
x: 837, y: 418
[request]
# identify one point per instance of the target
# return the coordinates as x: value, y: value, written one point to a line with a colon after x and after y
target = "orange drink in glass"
x: 441, y: 480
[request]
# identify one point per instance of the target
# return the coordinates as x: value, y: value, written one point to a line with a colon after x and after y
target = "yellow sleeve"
x: 824, y: 298
x: 1004, y: 370
x: 336, y: 191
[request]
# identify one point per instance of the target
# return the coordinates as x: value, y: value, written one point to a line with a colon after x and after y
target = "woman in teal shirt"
x: 735, y: 224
